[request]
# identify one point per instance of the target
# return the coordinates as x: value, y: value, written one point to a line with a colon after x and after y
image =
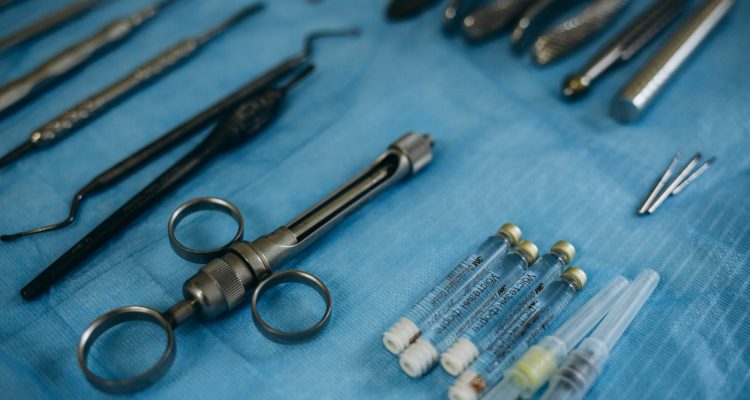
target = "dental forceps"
x: 186, y: 130
x: 87, y: 110
x: 245, y: 122
x: 245, y: 269
x: 50, y: 22
x: 67, y: 61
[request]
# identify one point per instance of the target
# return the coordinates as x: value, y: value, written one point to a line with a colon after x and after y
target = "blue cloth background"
x: 507, y: 149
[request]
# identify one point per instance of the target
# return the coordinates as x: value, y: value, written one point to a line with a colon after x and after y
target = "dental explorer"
x: 644, y: 28
x: 584, y: 364
x: 649, y: 81
x: 537, y: 364
x: 573, y: 32
x: 409, y: 327
x: 247, y: 268
x: 94, y: 106
x: 245, y: 122
x: 46, y: 24
x: 187, y: 129
x: 66, y: 62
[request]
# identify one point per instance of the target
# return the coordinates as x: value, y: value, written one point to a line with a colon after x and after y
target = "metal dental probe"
x: 645, y: 27
x: 676, y: 182
x: 660, y: 184
x: 64, y: 63
x: 187, y: 129
x: 245, y: 122
x: 648, y: 82
x: 539, y: 14
x: 570, y: 34
x: 491, y: 19
x: 698, y: 172
x: 89, y: 109
x: 53, y: 21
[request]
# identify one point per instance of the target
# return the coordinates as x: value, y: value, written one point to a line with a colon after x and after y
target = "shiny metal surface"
x: 196, y: 205
x: 45, y: 25
x: 684, y: 173
x: 192, y: 126
x: 649, y: 81
x: 492, y: 18
x: 223, y: 283
x: 109, y: 321
x: 570, y: 34
x: 659, y: 184
x: 50, y: 72
x: 644, y: 28
x: 280, y: 278
x: 87, y: 110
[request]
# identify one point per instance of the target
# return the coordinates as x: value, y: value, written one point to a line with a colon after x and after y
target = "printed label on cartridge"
x: 489, y: 314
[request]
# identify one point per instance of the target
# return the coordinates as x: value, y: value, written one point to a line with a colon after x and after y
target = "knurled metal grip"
x: 227, y: 280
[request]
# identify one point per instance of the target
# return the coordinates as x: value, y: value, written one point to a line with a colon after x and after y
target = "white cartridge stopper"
x: 459, y: 356
x: 465, y: 387
x: 418, y: 358
x: 400, y: 335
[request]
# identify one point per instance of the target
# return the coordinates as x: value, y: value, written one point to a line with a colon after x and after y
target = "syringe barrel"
x: 623, y: 312
x: 575, y: 328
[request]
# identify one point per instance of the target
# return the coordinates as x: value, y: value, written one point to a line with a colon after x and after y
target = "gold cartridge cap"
x: 528, y: 251
x: 510, y: 231
x: 565, y: 250
x: 575, y: 276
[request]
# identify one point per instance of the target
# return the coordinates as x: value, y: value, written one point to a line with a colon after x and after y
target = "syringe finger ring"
x: 112, y: 319
x: 203, y: 204
x: 280, y: 278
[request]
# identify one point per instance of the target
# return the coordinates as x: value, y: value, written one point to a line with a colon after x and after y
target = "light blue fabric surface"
x: 507, y: 149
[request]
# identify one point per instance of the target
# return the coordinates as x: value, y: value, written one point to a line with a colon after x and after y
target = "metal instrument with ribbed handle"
x: 68, y: 60
x: 576, y: 30
x: 84, y: 112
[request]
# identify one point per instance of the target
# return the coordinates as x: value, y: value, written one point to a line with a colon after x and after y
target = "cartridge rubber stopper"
x: 400, y: 335
x: 464, y: 387
x: 418, y: 358
x: 458, y: 357
x: 565, y: 250
x: 510, y: 231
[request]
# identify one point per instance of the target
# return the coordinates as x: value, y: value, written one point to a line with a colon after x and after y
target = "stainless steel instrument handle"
x: 75, y: 56
x: 94, y: 105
